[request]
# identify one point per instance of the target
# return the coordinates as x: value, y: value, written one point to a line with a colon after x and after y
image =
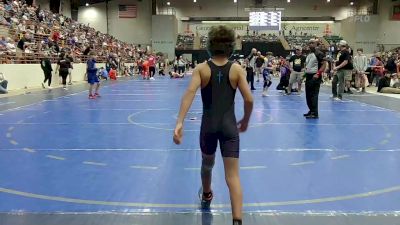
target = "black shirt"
x: 218, y: 98
x: 21, y: 43
x: 46, y: 65
x: 249, y: 70
x: 259, y: 61
x: 298, y: 62
x: 64, y: 64
x: 342, y: 56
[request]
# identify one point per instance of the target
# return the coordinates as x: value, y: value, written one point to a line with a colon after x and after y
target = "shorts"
x: 348, y: 75
x: 258, y: 70
x: 229, y: 145
x: 92, y: 79
x: 295, y: 77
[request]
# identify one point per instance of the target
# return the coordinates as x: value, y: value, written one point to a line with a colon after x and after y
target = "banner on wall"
x: 319, y: 29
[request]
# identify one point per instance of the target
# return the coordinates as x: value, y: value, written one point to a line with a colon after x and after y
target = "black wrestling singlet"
x: 218, y: 120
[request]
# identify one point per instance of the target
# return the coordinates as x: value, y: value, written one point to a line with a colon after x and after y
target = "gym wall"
x: 137, y: 30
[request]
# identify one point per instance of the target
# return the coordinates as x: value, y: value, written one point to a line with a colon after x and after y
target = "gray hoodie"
x: 360, y: 63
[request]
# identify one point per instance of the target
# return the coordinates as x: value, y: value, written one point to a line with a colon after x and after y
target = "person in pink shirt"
x: 152, y: 66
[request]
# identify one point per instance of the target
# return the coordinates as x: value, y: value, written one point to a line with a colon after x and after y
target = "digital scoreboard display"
x: 265, y: 20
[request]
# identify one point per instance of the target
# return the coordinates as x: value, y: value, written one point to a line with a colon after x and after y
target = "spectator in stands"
x: 297, y: 63
x: 3, y: 84
x: 3, y: 42
x: 22, y: 44
x: 47, y: 70
x: 360, y: 66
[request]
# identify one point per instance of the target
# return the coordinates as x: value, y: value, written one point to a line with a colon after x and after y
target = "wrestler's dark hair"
x: 221, y: 41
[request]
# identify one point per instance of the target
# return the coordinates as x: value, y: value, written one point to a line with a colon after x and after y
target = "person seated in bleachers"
x: 3, y: 84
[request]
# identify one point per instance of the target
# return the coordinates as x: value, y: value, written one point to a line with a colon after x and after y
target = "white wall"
x: 389, y: 31
x: 164, y: 34
x: 21, y: 76
x: 358, y: 33
x: 94, y: 16
x: 136, y: 30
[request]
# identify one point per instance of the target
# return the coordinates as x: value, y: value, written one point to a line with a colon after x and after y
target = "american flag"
x: 127, y: 11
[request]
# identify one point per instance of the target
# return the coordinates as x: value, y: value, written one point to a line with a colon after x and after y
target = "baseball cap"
x: 343, y: 43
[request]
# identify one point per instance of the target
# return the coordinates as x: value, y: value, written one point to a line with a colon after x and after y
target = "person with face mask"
x: 360, y: 66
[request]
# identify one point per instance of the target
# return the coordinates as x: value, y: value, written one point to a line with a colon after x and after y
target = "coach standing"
x: 315, y: 66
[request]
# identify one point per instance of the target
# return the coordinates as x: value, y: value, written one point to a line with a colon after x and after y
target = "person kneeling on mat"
x: 218, y: 79
x: 3, y: 84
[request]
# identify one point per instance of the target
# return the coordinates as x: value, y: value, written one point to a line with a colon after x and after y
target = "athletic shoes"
x: 43, y: 86
x: 97, y: 95
x: 205, y: 199
x: 152, y: 78
x: 337, y: 99
x: 312, y: 116
x: 265, y: 92
x: 92, y: 97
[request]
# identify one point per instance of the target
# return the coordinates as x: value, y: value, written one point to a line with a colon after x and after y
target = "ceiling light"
x: 351, y: 3
x: 168, y: 3
x: 87, y: 4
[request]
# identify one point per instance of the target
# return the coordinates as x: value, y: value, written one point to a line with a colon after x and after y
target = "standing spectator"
x: 71, y: 60
x: 259, y: 62
x: 297, y: 66
x: 181, y: 65
x: 63, y: 66
x: 46, y: 67
x: 360, y: 66
x: 315, y: 66
x: 152, y: 66
x: 249, y: 74
x: 93, y: 79
x: 343, y: 69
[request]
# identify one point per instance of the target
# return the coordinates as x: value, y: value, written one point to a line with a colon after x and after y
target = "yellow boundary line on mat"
x: 150, y: 205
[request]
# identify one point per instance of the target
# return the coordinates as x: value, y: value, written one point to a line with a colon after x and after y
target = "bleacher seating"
x: 185, y: 41
x: 50, y: 33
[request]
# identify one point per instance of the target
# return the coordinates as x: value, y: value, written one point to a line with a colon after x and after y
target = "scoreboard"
x: 265, y: 20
